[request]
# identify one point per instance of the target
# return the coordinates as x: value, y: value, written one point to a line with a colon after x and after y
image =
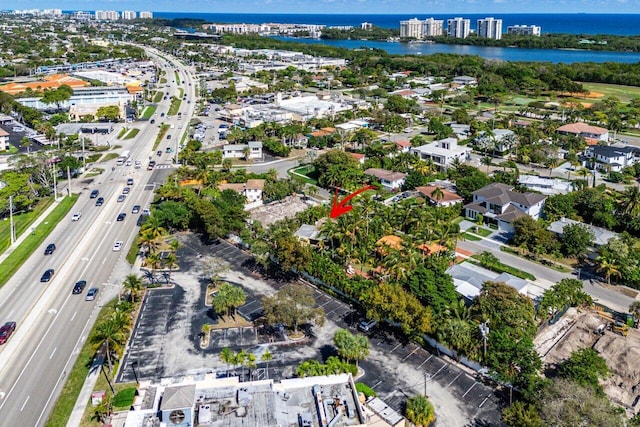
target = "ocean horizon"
x: 568, y: 23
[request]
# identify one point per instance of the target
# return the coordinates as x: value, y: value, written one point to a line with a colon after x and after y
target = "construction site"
x: 616, y: 341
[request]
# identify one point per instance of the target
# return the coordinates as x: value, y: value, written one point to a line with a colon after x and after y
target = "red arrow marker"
x: 339, y: 208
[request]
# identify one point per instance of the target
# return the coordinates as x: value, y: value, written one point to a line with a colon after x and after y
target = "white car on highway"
x: 117, y: 246
x: 76, y: 216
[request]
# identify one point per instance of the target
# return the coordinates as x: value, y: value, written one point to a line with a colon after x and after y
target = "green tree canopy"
x: 292, y: 306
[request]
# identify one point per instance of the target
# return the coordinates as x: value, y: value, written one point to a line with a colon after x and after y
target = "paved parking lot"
x: 166, y: 343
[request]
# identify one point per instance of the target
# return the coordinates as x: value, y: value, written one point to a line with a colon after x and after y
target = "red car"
x: 6, y: 330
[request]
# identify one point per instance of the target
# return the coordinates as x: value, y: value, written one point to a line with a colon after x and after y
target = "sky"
x: 344, y: 6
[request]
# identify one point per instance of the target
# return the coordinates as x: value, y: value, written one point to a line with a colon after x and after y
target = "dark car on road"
x: 152, y: 164
x: 47, y: 275
x: 91, y: 295
x: 136, y: 209
x: 100, y: 201
x: 94, y: 194
x: 51, y: 248
x: 126, y: 190
x: 79, y: 287
x: 121, y: 216
x: 121, y: 198
x: 6, y: 330
x: 141, y: 219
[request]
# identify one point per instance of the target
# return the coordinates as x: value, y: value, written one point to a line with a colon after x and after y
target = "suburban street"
x: 52, y: 323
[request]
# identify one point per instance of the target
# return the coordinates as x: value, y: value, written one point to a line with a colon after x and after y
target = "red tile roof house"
x: 389, y: 179
x: 359, y: 157
x: 449, y: 198
x: 584, y: 130
x: 500, y: 205
x: 403, y: 146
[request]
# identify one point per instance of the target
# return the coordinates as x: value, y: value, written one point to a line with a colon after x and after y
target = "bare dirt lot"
x: 268, y: 214
x: 578, y: 330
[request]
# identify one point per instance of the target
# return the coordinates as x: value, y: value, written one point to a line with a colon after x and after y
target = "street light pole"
x: 484, y: 330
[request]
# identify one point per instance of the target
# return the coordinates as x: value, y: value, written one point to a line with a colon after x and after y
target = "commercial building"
x: 458, y: 28
x: 251, y: 150
x: 490, y: 28
x: 313, y: 401
x: 524, y: 30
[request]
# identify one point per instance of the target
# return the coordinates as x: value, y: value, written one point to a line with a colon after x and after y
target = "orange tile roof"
x: 432, y: 248
x: 390, y: 241
x: 50, y: 82
x: 448, y: 196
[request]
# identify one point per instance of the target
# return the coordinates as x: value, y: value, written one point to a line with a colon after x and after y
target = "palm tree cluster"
x: 228, y: 298
x: 245, y: 359
x: 113, y: 331
x: 152, y: 236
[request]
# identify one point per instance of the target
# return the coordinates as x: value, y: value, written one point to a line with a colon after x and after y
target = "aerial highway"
x: 53, y: 323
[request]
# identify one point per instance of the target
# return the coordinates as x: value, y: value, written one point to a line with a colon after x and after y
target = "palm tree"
x: 267, y: 356
x: 154, y: 227
x: 630, y: 201
x: 227, y: 357
x: 487, y: 162
x: 584, y: 173
x: 110, y: 332
x: 133, y: 283
x: 552, y: 163
x: 608, y: 268
x: 437, y: 194
x: 154, y: 261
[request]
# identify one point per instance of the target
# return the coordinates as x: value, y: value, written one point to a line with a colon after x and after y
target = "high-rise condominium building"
x: 525, y: 30
x: 458, y: 27
x: 490, y: 28
x: 107, y: 15
x: 411, y: 29
x: 129, y: 14
x: 432, y: 27
x: 146, y: 15
x: 417, y: 29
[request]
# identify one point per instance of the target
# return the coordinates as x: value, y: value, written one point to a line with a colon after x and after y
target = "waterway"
x: 567, y: 56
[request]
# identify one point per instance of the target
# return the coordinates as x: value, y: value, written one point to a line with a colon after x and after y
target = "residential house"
x: 403, y: 146
x: 4, y: 140
x: 469, y: 278
x: 251, y: 190
x: 584, y: 130
x: 443, y: 152
x: 607, y: 158
x: 545, y: 185
x: 500, y: 205
x: 464, y: 81
x: 237, y: 151
x: 449, y: 198
x: 601, y: 236
x: 359, y: 157
x: 498, y: 142
x: 389, y: 179
x: 308, y: 233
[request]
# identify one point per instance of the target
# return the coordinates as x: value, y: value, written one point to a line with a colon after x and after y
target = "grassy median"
x: 21, y: 222
x: 15, y: 260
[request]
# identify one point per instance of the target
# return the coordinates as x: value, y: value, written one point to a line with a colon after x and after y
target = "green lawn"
x: 174, y: 107
x: 177, y: 77
x: 132, y: 133
x: 158, y: 96
x: 109, y: 156
x: 304, y: 171
x: 623, y: 93
x: 161, y: 133
x: 15, y: 260
x: 122, y: 132
x: 21, y: 222
x: 471, y: 237
x: 92, y: 158
x: 504, y: 268
x: 148, y: 111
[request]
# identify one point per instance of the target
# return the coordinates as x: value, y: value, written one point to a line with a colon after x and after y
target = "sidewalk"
x: 83, y: 398
x: 25, y: 234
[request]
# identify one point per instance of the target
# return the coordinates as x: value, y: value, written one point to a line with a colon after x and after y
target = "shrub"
x: 365, y: 389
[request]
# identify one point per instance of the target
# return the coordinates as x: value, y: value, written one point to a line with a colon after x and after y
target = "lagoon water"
x: 587, y: 24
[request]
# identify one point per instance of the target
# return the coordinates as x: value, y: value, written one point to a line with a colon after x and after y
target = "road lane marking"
x: 25, y: 403
x: 53, y: 352
x: 74, y: 315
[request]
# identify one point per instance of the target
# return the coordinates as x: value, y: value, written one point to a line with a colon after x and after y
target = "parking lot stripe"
x: 437, y: 372
x: 376, y: 384
x: 395, y: 348
x: 484, y: 401
x: 469, y: 389
x: 453, y: 380
x: 409, y: 355
x: 425, y: 361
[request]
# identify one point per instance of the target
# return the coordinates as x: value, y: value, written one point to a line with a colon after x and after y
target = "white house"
x: 251, y: 190
x: 500, y: 142
x: 584, y: 130
x: 4, y: 140
x: 469, y: 278
x: 237, y: 151
x: 500, y: 205
x: 389, y: 179
x: 609, y: 158
x: 443, y: 152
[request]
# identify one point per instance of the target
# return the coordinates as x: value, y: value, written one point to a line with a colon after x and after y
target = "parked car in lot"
x: 91, y: 295
x: 47, y: 275
x: 117, y: 246
x: 6, y: 331
x: 76, y: 216
x: 50, y: 249
x: 121, y: 216
x: 122, y: 197
x: 135, y: 209
x: 79, y: 287
x: 94, y: 194
x: 367, y: 325
x: 100, y: 201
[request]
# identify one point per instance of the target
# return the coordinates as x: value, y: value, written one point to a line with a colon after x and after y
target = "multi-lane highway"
x: 53, y: 324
